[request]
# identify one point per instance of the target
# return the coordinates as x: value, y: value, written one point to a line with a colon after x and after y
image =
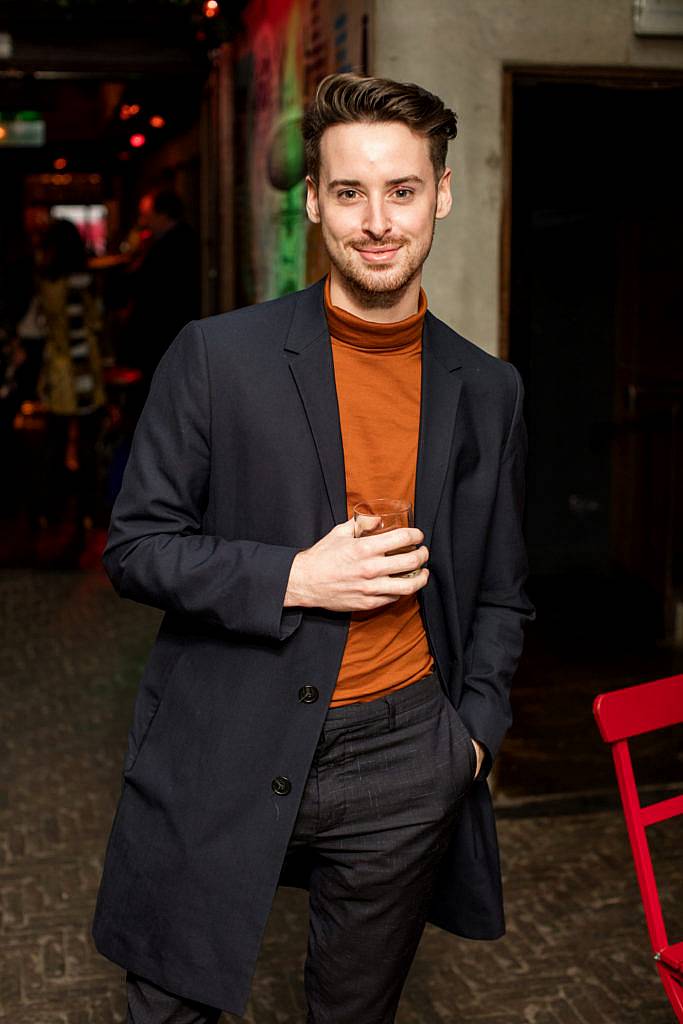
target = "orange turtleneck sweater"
x: 377, y: 370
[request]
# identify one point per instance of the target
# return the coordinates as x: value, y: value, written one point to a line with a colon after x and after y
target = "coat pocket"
x: 136, y: 739
x: 161, y: 669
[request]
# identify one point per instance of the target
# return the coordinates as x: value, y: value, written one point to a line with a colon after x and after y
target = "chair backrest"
x: 639, y: 709
x: 621, y: 715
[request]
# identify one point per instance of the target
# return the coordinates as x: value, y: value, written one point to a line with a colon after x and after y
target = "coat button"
x: 308, y: 694
x: 281, y: 785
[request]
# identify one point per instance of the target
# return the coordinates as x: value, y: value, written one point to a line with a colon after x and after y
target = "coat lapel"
x: 309, y: 352
x: 441, y: 387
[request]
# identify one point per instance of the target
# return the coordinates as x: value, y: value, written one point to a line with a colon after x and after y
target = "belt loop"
x: 391, y: 714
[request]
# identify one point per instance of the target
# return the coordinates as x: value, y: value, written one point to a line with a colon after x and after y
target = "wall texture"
x: 458, y: 48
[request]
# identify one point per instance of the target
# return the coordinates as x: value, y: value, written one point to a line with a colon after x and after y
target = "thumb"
x: 344, y: 529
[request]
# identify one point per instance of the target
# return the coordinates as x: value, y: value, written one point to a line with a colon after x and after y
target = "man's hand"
x: 344, y: 573
x: 479, y: 751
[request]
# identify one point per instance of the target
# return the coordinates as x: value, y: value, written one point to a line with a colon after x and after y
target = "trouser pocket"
x: 463, y: 754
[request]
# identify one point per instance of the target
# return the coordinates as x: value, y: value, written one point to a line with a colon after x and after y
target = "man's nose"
x: 377, y: 221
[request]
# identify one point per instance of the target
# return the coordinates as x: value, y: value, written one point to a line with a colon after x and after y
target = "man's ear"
x: 444, y: 198
x: 312, y: 207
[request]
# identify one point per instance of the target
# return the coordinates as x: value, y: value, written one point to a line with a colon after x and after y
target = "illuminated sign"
x: 21, y: 133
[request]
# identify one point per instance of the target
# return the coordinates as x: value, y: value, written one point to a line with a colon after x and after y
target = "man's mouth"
x: 378, y: 255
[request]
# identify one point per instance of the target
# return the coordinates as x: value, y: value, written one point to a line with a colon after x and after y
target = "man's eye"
x: 403, y: 193
x: 348, y: 193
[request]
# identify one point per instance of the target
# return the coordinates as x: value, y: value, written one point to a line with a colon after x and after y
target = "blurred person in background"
x: 70, y: 385
x: 21, y: 318
x: 164, y: 282
x: 17, y: 358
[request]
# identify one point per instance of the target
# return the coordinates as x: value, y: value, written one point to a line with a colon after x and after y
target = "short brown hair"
x: 347, y: 98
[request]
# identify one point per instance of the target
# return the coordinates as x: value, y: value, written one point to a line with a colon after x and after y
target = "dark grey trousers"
x: 380, y: 802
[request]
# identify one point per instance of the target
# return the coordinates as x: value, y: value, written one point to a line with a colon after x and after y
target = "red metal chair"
x: 621, y: 715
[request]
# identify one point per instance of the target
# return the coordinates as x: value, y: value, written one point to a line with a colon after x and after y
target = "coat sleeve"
x: 157, y: 552
x: 494, y: 645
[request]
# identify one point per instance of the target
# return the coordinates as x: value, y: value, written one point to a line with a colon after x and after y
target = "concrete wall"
x: 458, y: 49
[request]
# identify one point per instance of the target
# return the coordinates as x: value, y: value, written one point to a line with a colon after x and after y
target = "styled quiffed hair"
x: 347, y: 98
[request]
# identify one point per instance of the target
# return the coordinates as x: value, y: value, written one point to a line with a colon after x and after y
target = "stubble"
x: 377, y: 286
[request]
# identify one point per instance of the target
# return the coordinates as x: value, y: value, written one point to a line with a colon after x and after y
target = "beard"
x: 378, y: 285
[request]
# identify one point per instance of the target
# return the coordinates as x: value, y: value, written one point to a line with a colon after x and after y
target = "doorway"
x: 595, y: 327
x: 591, y: 282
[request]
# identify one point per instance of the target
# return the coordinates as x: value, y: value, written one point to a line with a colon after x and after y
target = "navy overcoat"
x: 236, y: 465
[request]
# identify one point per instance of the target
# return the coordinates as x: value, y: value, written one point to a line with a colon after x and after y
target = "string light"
x: 129, y: 110
x: 137, y: 140
x: 211, y: 8
x: 60, y: 163
x: 157, y: 121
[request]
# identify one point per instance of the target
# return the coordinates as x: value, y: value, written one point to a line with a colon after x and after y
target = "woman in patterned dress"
x: 70, y: 386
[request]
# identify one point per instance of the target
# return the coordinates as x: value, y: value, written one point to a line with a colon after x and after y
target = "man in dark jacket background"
x: 318, y: 708
x: 164, y: 286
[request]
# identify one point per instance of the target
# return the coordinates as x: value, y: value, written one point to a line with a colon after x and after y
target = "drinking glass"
x: 381, y: 515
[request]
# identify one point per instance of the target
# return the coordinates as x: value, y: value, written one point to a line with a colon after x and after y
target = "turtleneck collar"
x: 370, y: 336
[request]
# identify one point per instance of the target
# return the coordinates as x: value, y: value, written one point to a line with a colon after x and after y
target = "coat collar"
x: 310, y: 358
x: 308, y: 324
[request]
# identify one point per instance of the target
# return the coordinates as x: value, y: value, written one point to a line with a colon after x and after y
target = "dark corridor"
x: 596, y: 274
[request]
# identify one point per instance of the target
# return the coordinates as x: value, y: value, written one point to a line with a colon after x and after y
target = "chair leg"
x: 674, y: 991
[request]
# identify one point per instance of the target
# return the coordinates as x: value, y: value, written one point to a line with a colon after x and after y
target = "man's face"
x: 376, y: 202
x: 149, y: 219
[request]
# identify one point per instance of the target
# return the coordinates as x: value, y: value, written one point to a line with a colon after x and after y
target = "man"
x: 164, y: 290
x: 310, y: 715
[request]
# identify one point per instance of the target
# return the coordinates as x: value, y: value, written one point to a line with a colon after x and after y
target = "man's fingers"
x: 344, y: 529
x: 367, y: 525
x: 388, y: 565
x: 371, y: 603
x: 396, y: 586
x: 392, y: 540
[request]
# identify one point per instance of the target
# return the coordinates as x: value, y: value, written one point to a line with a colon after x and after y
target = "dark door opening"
x: 596, y: 330
x: 593, y: 273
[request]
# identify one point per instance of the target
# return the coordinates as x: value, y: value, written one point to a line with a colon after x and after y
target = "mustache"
x: 391, y: 243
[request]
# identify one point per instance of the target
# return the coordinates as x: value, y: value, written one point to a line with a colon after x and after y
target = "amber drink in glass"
x: 380, y: 515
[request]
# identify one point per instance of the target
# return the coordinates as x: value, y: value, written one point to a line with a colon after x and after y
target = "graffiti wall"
x: 286, y: 48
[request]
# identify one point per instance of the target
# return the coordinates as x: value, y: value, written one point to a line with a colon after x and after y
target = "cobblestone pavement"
x: 576, y: 948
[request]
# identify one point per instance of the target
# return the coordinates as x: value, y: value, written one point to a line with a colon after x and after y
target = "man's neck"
x: 400, y: 305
